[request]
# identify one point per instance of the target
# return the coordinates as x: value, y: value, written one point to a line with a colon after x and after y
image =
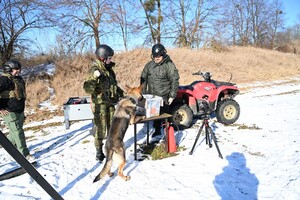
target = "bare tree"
x: 275, y: 21
x: 295, y: 30
x: 18, y: 17
x: 242, y: 25
x: 120, y: 17
x: 83, y: 22
x: 86, y: 23
x: 188, y: 19
x: 123, y: 14
x: 152, y: 9
x: 254, y: 22
x: 235, y: 21
x: 258, y: 17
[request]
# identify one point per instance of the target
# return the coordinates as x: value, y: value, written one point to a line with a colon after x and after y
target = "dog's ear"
x: 141, y: 87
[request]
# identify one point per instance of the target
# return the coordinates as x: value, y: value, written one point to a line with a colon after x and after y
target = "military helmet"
x: 158, y: 50
x: 10, y: 65
x: 104, y: 51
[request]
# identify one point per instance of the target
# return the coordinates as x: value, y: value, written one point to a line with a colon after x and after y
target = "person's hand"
x: 170, y: 100
x: 97, y: 74
x: 4, y: 112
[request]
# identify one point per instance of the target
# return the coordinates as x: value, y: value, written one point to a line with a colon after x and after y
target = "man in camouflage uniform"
x: 101, y: 84
x: 12, y: 99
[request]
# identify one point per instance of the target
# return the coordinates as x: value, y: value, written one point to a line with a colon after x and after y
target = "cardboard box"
x: 152, y: 105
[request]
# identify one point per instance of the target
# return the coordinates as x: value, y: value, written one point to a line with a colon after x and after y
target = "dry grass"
x: 37, y: 92
x: 37, y: 60
x: 246, y: 64
x: 69, y: 77
x: 41, y: 115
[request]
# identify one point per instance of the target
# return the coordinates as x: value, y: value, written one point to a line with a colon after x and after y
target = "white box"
x: 77, y: 108
x: 152, y: 105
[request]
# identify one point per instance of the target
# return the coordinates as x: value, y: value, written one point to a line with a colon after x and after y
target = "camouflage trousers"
x: 103, y: 114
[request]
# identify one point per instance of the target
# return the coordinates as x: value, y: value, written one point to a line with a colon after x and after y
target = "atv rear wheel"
x: 228, y: 111
x: 182, y: 116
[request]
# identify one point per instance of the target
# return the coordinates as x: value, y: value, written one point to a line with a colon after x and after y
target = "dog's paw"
x: 126, y: 178
x: 139, y: 118
x: 110, y: 174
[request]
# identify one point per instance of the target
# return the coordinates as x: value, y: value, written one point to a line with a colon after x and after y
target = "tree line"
x: 82, y: 24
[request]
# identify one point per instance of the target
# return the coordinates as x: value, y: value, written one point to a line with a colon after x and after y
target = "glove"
x: 97, y: 74
x: 89, y: 86
x: 170, y: 100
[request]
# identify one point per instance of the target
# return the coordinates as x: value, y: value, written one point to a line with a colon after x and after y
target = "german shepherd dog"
x: 124, y: 115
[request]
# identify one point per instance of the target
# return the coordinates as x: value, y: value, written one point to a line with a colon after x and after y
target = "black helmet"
x: 10, y: 65
x: 158, y: 50
x: 104, y: 51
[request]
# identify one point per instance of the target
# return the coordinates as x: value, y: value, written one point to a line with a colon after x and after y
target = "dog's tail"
x: 106, y: 169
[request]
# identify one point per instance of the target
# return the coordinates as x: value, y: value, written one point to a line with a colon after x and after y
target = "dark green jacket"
x: 103, y: 89
x: 161, y: 79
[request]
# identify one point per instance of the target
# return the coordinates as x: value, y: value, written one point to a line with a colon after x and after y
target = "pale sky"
x: 291, y: 8
x: 292, y: 11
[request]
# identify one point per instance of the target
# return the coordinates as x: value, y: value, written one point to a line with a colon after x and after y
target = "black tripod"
x: 209, y: 135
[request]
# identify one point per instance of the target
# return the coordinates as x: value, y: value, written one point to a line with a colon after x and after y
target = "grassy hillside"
x: 246, y: 64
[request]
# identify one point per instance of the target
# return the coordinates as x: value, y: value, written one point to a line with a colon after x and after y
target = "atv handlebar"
x: 206, y: 75
x: 197, y: 73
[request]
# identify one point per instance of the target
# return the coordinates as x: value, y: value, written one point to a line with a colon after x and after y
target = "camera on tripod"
x: 204, y: 108
x: 209, y: 134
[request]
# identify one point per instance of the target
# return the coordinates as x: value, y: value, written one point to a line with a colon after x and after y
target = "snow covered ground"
x: 261, y: 158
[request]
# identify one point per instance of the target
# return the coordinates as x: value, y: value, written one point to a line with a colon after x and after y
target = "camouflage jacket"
x: 101, y: 83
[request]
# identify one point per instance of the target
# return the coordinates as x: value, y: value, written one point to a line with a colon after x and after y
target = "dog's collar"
x: 134, y: 101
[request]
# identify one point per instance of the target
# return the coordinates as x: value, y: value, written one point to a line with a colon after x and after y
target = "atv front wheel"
x: 182, y: 116
x: 228, y: 111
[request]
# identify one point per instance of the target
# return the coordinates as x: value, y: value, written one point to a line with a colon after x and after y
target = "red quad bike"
x: 205, y: 97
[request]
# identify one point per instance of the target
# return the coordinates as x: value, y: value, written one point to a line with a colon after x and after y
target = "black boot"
x: 99, y: 154
x: 156, y: 132
x: 157, y: 127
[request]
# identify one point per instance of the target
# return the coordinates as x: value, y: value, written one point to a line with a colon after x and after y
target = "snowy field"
x: 261, y: 158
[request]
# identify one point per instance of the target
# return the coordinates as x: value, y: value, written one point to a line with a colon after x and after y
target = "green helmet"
x: 104, y: 51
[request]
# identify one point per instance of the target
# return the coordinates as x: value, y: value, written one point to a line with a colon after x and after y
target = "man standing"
x: 160, y: 77
x: 13, y: 96
x: 101, y: 84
